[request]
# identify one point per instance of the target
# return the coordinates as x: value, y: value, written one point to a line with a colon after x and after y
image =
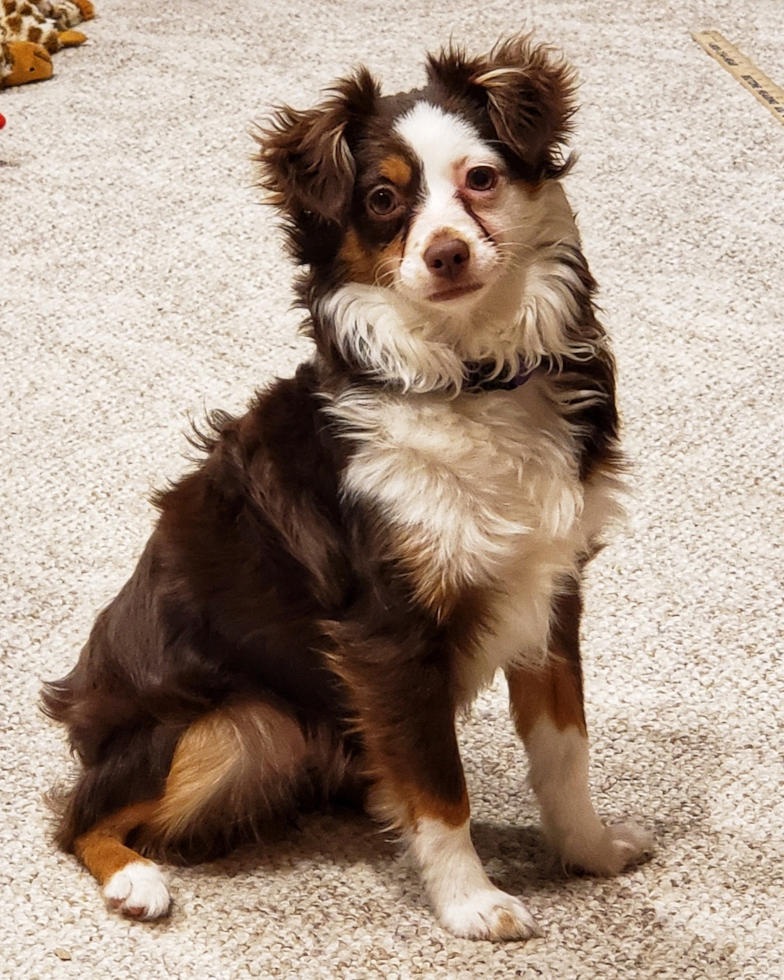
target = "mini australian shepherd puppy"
x: 362, y: 551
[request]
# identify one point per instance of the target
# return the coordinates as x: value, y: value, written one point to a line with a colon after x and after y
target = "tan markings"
x: 506, y: 926
x: 233, y: 763
x: 432, y: 587
x: 370, y: 267
x: 452, y: 813
x: 360, y: 263
x: 203, y: 759
x: 102, y: 850
x: 396, y: 169
x: 402, y: 805
x: 389, y: 259
x: 442, y: 592
x: 554, y: 690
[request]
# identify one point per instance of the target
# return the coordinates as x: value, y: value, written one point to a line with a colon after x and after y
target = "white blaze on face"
x: 448, y: 147
x: 514, y: 294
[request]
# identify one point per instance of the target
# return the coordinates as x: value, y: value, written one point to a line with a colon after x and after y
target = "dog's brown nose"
x: 447, y: 257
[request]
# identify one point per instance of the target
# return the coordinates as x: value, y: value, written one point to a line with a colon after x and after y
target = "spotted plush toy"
x: 31, y: 31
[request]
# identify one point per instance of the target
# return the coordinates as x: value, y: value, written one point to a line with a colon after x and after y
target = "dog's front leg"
x: 466, y: 901
x: 405, y: 711
x: 547, y: 708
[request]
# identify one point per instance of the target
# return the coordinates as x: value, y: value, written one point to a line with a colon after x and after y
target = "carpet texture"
x: 141, y: 282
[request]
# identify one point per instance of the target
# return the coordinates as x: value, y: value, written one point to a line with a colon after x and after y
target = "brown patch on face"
x: 359, y: 263
x: 369, y: 266
x: 533, y: 188
x: 102, y: 850
x: 396, y: 169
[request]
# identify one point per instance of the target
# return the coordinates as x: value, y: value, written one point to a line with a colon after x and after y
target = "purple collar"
x: 481, y: 377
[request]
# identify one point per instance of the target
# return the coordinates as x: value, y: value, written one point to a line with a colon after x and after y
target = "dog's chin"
x: 453, y: 293
x: 447, y: 298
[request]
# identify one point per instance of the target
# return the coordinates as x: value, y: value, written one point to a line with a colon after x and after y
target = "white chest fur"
x: 484, y: 490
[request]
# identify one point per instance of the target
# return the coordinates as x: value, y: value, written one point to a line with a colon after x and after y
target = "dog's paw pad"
x: 138, y: 890
x: 490, y: 914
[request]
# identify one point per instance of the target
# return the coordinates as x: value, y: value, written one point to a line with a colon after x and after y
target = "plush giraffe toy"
x: 31, y: 31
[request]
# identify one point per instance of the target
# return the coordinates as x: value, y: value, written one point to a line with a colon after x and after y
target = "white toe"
x: 138, y: 890
x: 490, y: 914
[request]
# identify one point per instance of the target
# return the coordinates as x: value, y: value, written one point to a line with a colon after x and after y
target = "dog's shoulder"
x: 266, y: 489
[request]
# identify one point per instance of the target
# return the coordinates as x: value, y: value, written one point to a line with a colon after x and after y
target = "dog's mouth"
x: 454, y: 292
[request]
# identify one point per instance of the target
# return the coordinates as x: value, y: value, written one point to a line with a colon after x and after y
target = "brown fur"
x: 101, y: 849
x: 232, y: 767
x: 557, y: 689
x: 526, y: 92
x: 278, y: 642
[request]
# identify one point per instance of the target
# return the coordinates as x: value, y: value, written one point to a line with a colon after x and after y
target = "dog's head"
x: 433, y: 195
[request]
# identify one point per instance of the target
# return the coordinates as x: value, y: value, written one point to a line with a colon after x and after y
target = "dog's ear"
x: 306, y: 163
x: 526, y: 93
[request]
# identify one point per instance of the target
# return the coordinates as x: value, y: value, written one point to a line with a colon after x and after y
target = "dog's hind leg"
x: 547, y: 708
x: 130, y: 882
x: 232, y: 769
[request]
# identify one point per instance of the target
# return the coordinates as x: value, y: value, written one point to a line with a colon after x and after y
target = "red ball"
x: 2, y: 120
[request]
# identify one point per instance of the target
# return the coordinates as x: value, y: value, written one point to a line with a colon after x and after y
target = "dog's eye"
x: 382, y: 201
x: 481, y: 179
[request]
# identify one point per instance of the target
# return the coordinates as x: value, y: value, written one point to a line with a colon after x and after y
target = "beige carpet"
x: 140, y: 281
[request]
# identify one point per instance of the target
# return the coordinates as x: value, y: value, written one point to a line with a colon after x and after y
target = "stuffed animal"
x: 65, y: 13
x: 23, y: 61
x: 33, y: 30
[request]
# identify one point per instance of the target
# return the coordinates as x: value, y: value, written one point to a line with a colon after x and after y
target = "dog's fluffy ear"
x: 306, y: 162
x: 526, y: 92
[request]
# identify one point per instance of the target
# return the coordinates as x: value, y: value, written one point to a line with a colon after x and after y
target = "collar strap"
x: 482, y: 377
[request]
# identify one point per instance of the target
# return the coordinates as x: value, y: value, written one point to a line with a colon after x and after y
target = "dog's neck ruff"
x: 387, y: 338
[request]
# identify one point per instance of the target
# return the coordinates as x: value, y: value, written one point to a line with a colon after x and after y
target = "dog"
x: 358, y: 555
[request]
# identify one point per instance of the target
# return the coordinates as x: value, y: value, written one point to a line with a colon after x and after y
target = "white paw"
x: 489, y: 914
x: 138, y: 890
x: 609, y: 852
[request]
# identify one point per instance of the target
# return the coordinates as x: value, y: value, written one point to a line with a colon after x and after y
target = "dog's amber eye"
x: 481, y: 179
x: 382, y: 201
